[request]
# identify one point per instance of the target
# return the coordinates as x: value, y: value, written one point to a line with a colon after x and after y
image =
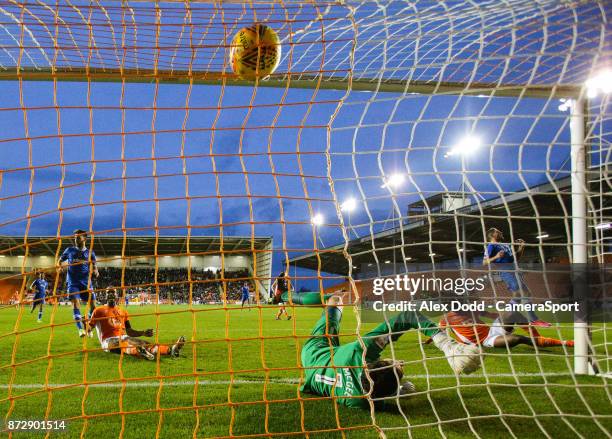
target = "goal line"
x: 282, y: 381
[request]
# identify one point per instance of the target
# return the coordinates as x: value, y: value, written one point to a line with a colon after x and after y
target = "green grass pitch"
x: 238, y: 376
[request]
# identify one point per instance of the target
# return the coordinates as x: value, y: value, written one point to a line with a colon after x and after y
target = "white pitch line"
x: 151, y: 384
x: 285, y: 381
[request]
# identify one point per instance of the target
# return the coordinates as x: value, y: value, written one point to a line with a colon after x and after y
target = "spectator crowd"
x: 173, y: 284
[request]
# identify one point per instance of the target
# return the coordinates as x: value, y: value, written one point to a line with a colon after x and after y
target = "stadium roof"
x: 134, y: 245
x: 546, y: 205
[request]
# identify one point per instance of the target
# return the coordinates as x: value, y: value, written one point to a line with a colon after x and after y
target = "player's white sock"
x: 461, y: 358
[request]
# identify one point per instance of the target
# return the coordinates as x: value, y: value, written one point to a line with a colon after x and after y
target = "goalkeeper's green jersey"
x: 330, y: 369
x: 334, y: 370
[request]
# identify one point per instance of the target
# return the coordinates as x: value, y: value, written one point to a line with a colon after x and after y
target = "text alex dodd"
x: 455, y: 305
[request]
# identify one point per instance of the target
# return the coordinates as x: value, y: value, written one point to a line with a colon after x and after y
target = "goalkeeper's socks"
x: 544, y: 342
x: 76, y: 313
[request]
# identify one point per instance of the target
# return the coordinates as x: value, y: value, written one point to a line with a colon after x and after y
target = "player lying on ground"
x: 281, y: 289
x: 39, y: 288
x: 337, y: 370
x: 498, y: 253
x: 80, y: 264
x: 117, y: 335
x: 468, y: 328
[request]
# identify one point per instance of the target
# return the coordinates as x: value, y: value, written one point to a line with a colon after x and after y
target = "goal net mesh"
x: 347, y: 164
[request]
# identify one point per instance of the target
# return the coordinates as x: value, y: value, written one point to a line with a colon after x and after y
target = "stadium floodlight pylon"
x: 367, y: 55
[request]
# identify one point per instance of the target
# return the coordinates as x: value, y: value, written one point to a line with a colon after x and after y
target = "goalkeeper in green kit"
x: 335, y: 370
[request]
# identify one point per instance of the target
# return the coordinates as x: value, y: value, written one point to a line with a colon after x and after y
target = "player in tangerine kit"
x: 116, y: 334
x: 468, y: 328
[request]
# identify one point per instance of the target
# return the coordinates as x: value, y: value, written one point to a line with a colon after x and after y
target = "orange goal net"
x: 171, y: 226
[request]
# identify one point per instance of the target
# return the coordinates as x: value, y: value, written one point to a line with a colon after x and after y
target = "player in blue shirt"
x: 39, y: 288
x: 498, y: 253
x: 245, y: 294
x: 80, y: 264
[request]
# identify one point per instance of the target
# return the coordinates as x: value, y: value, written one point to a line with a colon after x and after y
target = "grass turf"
x: 238, y: 376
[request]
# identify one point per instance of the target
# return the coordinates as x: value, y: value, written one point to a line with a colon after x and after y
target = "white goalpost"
x: 579, y: 223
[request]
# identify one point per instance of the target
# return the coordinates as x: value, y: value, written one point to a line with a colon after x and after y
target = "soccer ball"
x: 255, y: 52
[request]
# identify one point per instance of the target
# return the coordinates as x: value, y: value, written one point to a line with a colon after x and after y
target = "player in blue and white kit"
x: 80, y: 264
x: 245, y: 294
x: 39, y: 288
x: 498, y: 253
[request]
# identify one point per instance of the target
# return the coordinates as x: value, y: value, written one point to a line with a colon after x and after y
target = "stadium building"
x: 212, y: 260
x: 434, y: 229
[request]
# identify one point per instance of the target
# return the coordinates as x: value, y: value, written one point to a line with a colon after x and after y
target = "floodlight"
x: 466, y: 146
x: 394, y: 181
x: 349, y: 205
x: 600, y: 83
x: 317, y: 219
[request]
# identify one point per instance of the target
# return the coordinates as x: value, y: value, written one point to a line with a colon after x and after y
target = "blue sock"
x: 77, y: 318
x: 531, y: 315
x: 40, y: 314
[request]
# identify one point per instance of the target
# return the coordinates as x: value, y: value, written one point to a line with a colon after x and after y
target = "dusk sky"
x: 408, y: 148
